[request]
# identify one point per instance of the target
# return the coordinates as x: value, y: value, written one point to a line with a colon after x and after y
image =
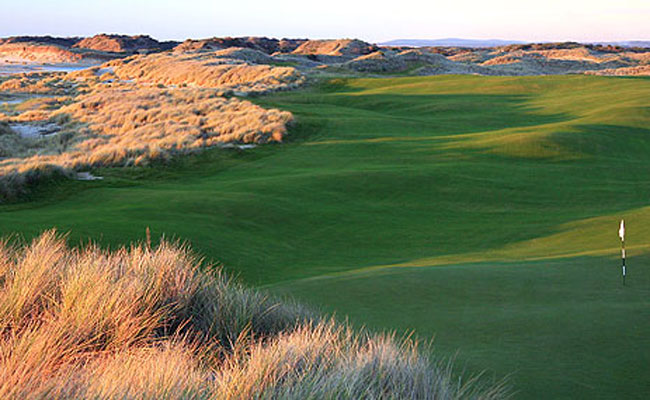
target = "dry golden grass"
x: 68, y: 313
x: 640, y: 70
x: 338, y: 47
x: 578, y: 54
x: 156, y: 323
x: 642, y: 58
x: 37, y: 52
x: 35, y: 82
x: 208, y: 70
x: 585, y: 55
x: 125, y: 125
x: 244, y: 54
x: 502, y: 60
x: 128, y: 112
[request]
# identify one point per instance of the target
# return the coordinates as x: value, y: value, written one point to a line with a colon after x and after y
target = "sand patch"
x: 87, y: 176
x: 35, y: 131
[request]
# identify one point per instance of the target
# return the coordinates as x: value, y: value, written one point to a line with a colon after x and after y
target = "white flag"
x: 621, y: 230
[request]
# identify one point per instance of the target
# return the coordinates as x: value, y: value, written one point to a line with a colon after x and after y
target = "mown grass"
x: 502, y: 180
x: 555, y: 325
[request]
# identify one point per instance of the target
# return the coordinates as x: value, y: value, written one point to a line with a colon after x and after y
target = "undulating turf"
x: 481, y: 210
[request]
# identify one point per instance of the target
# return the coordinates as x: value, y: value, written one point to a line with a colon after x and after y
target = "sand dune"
x: 208, y: 70
x: 132, y: 111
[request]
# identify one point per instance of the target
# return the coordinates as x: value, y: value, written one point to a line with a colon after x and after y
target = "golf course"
x: 477, y: 213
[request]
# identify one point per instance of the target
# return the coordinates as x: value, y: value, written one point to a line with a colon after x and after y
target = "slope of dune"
x: 38, y: 53
x: 640, y: 70
x: 130, y: 111
x: 328, y: 55
x: 263, y: 44
x: 416, y: 61
x: 59, y: 41
x: 208, y: 70
x: 123, y: 43
x: 155, y: 322
x: 340, y: 47
x: 244, y: 54
x: 125, y: 124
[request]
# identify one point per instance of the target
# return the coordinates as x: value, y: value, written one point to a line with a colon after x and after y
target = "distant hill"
x: 627, y: 43
x: 458, y: 42
x: 450, y: 42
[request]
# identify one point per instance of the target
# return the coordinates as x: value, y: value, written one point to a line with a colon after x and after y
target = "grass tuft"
x: 156, y: 323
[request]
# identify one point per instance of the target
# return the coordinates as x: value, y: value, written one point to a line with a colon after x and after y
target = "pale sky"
x: 374, y: 21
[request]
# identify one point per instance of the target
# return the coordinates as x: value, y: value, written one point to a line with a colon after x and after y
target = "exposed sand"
x: 87, y: 176
x: 237, y: 146
x: 16, y: 98
x: 12, y: 68
x: 35, y: 131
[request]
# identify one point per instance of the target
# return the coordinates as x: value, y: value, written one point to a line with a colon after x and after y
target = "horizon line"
x: 518, y: 41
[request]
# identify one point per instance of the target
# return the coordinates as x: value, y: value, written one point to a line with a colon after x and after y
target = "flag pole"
x: 623, y: 254
x: 621, y: 234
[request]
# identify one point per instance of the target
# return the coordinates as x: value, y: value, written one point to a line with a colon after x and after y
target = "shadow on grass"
x: 445, y: 114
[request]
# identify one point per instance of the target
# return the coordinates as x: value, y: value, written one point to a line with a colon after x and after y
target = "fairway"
x: 482, y: 211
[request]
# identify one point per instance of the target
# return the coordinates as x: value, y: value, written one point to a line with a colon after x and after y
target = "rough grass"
x: 155, y: 323
x: 141, y: 109
x: 126, y: 126
x: 205, y: 70
x: 36, y: 82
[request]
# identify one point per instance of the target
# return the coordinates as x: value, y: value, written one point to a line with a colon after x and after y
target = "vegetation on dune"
x: 640, y: 70
x: 131, y: 126
x: 38, y: 52
x: 126, y: 126
x: 154, y: 323
x: 264, y: 44
x: 5, y: 129
x: 205, y: 70
x: 341, y: 47
x: 332, y: 55
x: 132, y: 111
x: 50, y: 83
x: 122, y: 43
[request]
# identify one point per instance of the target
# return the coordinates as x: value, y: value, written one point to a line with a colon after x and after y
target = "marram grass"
x: 157, y: 323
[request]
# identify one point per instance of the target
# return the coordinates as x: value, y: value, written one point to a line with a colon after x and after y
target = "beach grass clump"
x: 131, y: 126
x: 132, y: 111
x: 156, y: 322
x: 207, y: 70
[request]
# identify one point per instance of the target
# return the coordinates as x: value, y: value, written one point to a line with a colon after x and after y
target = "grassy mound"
x: 143, y: 322
x: 134, y: 111
x: 208, y: 70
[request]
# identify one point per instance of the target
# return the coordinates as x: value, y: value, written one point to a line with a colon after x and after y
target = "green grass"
x: 562, y: 328
x: 479, y: 210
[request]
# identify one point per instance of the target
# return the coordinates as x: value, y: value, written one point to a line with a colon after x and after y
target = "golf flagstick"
x: 621, y: 234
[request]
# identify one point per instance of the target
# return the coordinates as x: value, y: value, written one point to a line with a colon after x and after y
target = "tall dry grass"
x: 36, y: 82
x: 156, y: 323
x: 124, y: 126
x: 208, y: 70
x: 131, y: 111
